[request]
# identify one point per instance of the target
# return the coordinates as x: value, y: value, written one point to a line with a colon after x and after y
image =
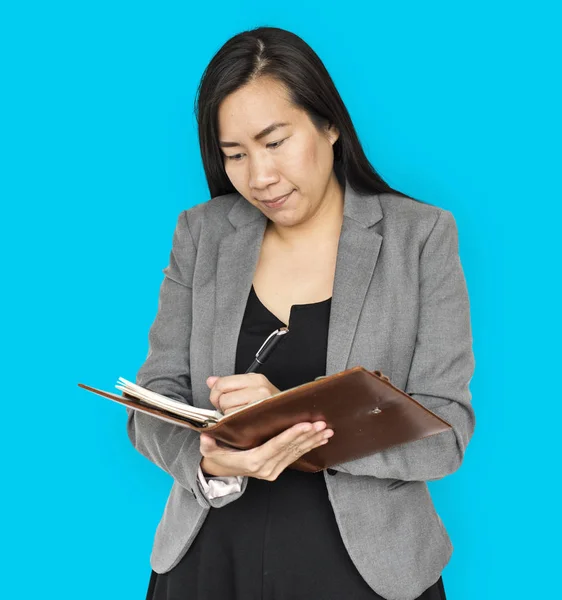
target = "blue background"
x: 456, y: 103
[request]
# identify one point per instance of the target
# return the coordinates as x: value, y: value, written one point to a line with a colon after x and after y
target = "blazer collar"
x: 358, y: 251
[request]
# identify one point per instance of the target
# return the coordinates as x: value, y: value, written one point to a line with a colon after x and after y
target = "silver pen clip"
x: 281, y: 331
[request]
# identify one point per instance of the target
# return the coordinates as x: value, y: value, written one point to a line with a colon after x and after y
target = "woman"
x: 300, y: 231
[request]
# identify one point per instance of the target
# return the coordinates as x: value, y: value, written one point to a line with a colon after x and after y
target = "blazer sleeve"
x: 441, y: 368
x: 166, y: 370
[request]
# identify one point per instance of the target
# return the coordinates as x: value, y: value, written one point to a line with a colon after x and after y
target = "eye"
x: 234, y: 157
x: 274, y: 145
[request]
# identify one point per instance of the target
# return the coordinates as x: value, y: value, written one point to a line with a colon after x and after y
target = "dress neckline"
x: 293, y: 307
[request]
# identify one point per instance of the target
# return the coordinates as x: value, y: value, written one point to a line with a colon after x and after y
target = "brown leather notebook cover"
x: 367, y: 413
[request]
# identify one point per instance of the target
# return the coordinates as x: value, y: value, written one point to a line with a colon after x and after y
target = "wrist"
x: 207, y: 469
x: 210, y: 468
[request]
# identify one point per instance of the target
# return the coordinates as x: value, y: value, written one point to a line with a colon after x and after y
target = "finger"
x: 311, y: 442
x: 277, y: 445
x: 295, y: 450
x: 303, y: 444
x: 226, y: 384
x: 211, y: 380
x: 230, y: 383
x: 239, y: 398
x: 207, y: 445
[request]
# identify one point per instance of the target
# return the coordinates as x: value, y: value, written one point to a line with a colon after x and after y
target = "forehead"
x: 255, y: 106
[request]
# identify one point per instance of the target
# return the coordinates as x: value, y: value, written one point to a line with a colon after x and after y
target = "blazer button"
x: 331, y: 471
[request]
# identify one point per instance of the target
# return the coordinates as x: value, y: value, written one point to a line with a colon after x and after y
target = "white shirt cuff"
x: 216, y: 487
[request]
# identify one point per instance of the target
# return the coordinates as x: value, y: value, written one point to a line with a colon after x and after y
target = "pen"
x: 267, y: 348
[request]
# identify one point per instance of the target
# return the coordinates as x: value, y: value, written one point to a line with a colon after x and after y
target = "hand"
x: 234, y: 391
x: 267, y: 461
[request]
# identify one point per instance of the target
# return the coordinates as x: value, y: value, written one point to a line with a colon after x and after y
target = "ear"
x: 333, y: 133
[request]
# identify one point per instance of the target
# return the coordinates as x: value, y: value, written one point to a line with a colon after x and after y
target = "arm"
x: 166, y: 370
x: 441, y: 368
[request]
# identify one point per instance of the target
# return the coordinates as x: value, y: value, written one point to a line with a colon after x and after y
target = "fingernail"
x: 319, y: 426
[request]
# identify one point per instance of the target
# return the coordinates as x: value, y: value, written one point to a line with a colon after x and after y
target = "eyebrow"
x: 264, y: 132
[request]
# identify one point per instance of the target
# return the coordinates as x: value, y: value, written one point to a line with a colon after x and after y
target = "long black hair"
x: 287, y: 58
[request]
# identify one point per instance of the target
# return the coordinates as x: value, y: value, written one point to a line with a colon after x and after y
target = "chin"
x: 286, y: 220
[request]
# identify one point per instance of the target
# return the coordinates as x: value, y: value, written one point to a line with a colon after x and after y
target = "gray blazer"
x: 399, y: 305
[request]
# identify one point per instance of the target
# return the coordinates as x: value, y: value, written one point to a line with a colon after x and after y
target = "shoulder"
x: 413, y: 219
x: 400, y: 210
x: 214, y: 211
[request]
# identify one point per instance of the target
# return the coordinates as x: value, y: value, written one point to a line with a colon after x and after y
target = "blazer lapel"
x: 358, y: 251
x: 237, y: 261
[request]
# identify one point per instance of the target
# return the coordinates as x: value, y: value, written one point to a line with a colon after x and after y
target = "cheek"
x: 301, y: 158
x: 236, y: 174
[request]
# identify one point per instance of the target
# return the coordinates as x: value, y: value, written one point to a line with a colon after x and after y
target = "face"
x: 273, y: 150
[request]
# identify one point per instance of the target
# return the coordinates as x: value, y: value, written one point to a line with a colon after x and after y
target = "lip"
x: 277, y: 202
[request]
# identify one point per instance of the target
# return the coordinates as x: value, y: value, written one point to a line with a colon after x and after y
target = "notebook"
x: 367, y: 413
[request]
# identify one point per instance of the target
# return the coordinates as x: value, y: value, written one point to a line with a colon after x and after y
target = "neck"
x: 325, y: 222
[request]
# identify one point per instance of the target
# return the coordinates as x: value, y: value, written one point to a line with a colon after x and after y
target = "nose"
x: 262, y: 172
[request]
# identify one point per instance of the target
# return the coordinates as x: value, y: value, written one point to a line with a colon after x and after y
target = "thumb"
x: 206, y: 444
x: 212, y: 380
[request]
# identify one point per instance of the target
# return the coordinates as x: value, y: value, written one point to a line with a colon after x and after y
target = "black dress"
x: 279, y: 540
